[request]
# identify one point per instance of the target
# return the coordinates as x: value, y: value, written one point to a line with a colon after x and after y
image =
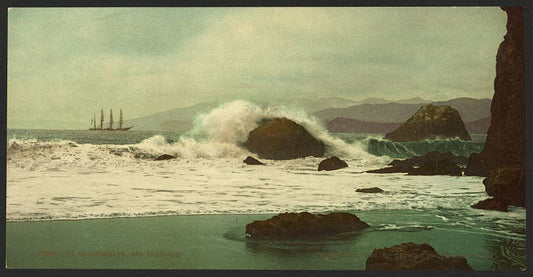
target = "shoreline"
x: 512, y: 209
x: 218, y: 241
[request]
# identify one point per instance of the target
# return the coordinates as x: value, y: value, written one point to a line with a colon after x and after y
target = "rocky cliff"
x: 506, y: 137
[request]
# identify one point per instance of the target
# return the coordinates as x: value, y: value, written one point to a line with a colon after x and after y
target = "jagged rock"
x: 506, y: 138
x: 252, y: 161
x: 431, y: 122
x: 433, y: 163
x: 370, y: 190
x: 507, y: 184
x: 164, y: 157
x: 283, y: 139
x: 332, y: 163
x: 304, y: 225
x: 491, y: 204
x: 412, y: 256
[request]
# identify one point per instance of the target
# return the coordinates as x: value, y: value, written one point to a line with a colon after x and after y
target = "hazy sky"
x: 64, y: 64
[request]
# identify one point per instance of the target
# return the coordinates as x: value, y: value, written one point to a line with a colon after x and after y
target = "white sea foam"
x: 111, y: 185
x: 231, y: 122
x: 66, y: 180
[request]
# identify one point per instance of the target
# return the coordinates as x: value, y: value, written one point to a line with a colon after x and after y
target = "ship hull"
x: 107, y: 129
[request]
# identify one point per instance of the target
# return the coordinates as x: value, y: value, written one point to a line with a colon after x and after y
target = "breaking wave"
x: 381, y: 147
x: 219, y: 133
x: 222, y: 132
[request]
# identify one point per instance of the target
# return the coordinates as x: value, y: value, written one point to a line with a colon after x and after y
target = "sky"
x: 65, y: 64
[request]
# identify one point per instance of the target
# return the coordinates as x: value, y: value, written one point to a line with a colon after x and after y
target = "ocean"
x: 96, y: 199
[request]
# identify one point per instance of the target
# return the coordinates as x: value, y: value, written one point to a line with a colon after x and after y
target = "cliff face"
x: 506, y: 137
x: 431, y: 122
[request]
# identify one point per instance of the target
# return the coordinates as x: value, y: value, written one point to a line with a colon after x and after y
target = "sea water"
x: 197, y: 205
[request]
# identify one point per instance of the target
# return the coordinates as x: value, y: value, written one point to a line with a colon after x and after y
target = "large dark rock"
x: 491, y: 204
x: 431, y: 122
x: 164, y: 157
x: 304, y: 225
x: 370, y: 190
x: 433, y: 163
x: 332, y: 163
x: 252, y: 161
x: 507, y: 184
x: 283, y: 139
x: 412, y: 256
x: 506, y: 138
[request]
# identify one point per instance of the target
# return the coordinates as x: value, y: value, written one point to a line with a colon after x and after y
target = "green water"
x: 218, y: 242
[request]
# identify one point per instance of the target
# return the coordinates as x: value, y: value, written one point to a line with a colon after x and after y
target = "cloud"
x: 156, y: 59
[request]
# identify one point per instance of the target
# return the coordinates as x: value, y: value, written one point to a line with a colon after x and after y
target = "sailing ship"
x: 110, y: 128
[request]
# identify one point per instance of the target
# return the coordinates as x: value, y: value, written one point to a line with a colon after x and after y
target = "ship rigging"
x: 110, y: 127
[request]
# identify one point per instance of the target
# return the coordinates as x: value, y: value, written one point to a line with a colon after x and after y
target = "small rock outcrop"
x: 370, y: 190
x: 431, y: 122
x: 412, y: 256
x: 491, y: 204
x: 507, y: 184
x: 433, y: 163
x: 304, y: 225
x: 164, y: 157
x: 506, y: 138
x: 252, y: 161
x: 283, y: 139
x: 332, y: 163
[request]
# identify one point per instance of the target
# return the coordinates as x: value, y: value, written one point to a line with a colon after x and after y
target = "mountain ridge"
x: 371, y: 110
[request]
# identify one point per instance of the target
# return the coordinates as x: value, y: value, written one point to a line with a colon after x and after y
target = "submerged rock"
x: 304, y: 225
x: 252, y: 161
x: 164, y: 157
x: 433, y: 163
x: 412, y: 256
x: 431, y: 122
x: 437, y: 167
x: 389, y: 169
x: 506, y: 138
x: 283, y: 139
x: 491, y: 204
x: 332, y: 163
x: 370, y: 190
x: 507, y: 184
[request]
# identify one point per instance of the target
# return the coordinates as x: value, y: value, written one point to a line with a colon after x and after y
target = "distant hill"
x: 347, y: 125
x: 311, y: 105
x: 470, y: 109
x: 416, y: 100
x: 479, y: 126
x: 369, y: 111
x: 174, y: 120
x: 182, y: 119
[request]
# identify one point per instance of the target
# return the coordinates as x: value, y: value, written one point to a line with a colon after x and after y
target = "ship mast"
x: 121, y: 122
x: 94, y: 120
x: 102, y: 120
x: 110, y: 119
